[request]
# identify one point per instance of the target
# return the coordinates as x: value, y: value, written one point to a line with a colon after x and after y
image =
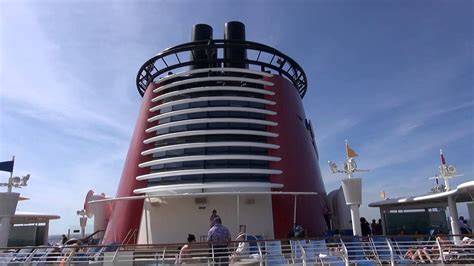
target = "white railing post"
x: 212, y: 254
x: 164, y: 253
x: 441, y: 255
x: 392, y: 258
x: 30, y: 257
x: 346, y: 253
x: 69, y: 258
x: 260, y: 254
x: 114, y: 258
x: 303, y: 251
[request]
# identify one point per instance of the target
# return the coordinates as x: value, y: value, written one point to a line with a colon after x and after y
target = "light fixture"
x: 81, y: 212
x: 24, y: 180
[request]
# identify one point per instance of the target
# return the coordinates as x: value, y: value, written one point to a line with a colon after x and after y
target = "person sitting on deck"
x: 297, y: 232
x: 419, y: 254
x: 242, y: 249
x: 185, y: 252
x: 430, y: 253
x: 466, y: 241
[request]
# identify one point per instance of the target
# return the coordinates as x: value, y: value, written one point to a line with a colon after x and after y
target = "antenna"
x: 349, y: 166
x: 16, y: 182
x: 351, y: 186
x: 445, y: 172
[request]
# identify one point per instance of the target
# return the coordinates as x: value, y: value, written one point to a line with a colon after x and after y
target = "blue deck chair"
x: 356, y: 251
x: 274, y: 255
x: 382, y: 250
x: 296, y: 250
x: 320, y: 252
x: 403, y: 244
x: 5, y: 258
x: 253, y: 249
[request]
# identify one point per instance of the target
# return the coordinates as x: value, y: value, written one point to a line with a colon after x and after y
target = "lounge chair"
x: 319, y: 250
x: 385, y: 252
x: 246, y: 251
x: 359, y: 252
x: 274, y: 254
x: 298, y: 253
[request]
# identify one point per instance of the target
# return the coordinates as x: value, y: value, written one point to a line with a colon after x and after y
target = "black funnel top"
x: 235, y: 31
x: 202, y: 32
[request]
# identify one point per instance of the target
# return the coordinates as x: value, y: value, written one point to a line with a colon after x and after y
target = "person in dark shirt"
x: 212, y: 218
x: 219, y: 237
x: 365, y: 226
x: 64, y: 240
x: 298, y: 231
x: 373, y: 227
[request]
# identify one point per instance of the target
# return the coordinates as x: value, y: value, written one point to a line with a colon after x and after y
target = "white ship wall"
x: 172, y: 220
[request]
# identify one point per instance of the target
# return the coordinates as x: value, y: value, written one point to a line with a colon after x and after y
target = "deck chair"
x: 274, y: 255
x: 310, y: 255
x: 5, y: 258
x: 318, y: 250
x: 253, y: 245
x: 359, y: 252
x: 382, y: 251
x: 246, y: 250
x: 297, y: 253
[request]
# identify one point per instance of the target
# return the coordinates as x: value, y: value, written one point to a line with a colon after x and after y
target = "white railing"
x: 375, y: 250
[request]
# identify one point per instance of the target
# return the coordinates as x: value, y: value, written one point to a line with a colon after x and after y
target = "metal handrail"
x: 392, y: 256
x: 346, y: 253
x: 344, y: 250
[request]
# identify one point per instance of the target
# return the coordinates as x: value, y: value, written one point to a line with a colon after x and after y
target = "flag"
x: 443, y: 161
x: 7, y: 166
x: 350, y: 152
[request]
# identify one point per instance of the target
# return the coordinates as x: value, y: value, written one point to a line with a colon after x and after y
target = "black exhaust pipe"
x: 235, y: 31
x: 202, y: 32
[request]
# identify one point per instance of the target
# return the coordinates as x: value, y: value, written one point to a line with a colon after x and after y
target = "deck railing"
x: 375, y: 250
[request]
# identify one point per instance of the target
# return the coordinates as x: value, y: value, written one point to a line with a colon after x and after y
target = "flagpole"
x: 347, y: 152
x: 349, y: 173
x: 10, y: 180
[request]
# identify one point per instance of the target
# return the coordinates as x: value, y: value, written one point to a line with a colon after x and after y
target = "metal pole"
x: 453, y: 218
x: 294, y: 212
x: 10, y: 180
x: 114, y: 223
x: 238, y: 213
x: 384, y: 222
x: 355, y: 217
x: 46, y: 232
x: 145, y: 210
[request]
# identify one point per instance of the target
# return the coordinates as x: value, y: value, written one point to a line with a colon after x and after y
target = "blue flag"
x: 7, y: 166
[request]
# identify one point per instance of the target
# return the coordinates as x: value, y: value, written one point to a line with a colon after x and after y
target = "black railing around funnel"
x: 259, y: 57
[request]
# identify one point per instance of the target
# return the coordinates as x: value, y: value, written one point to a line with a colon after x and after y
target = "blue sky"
x: 395, y: 78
